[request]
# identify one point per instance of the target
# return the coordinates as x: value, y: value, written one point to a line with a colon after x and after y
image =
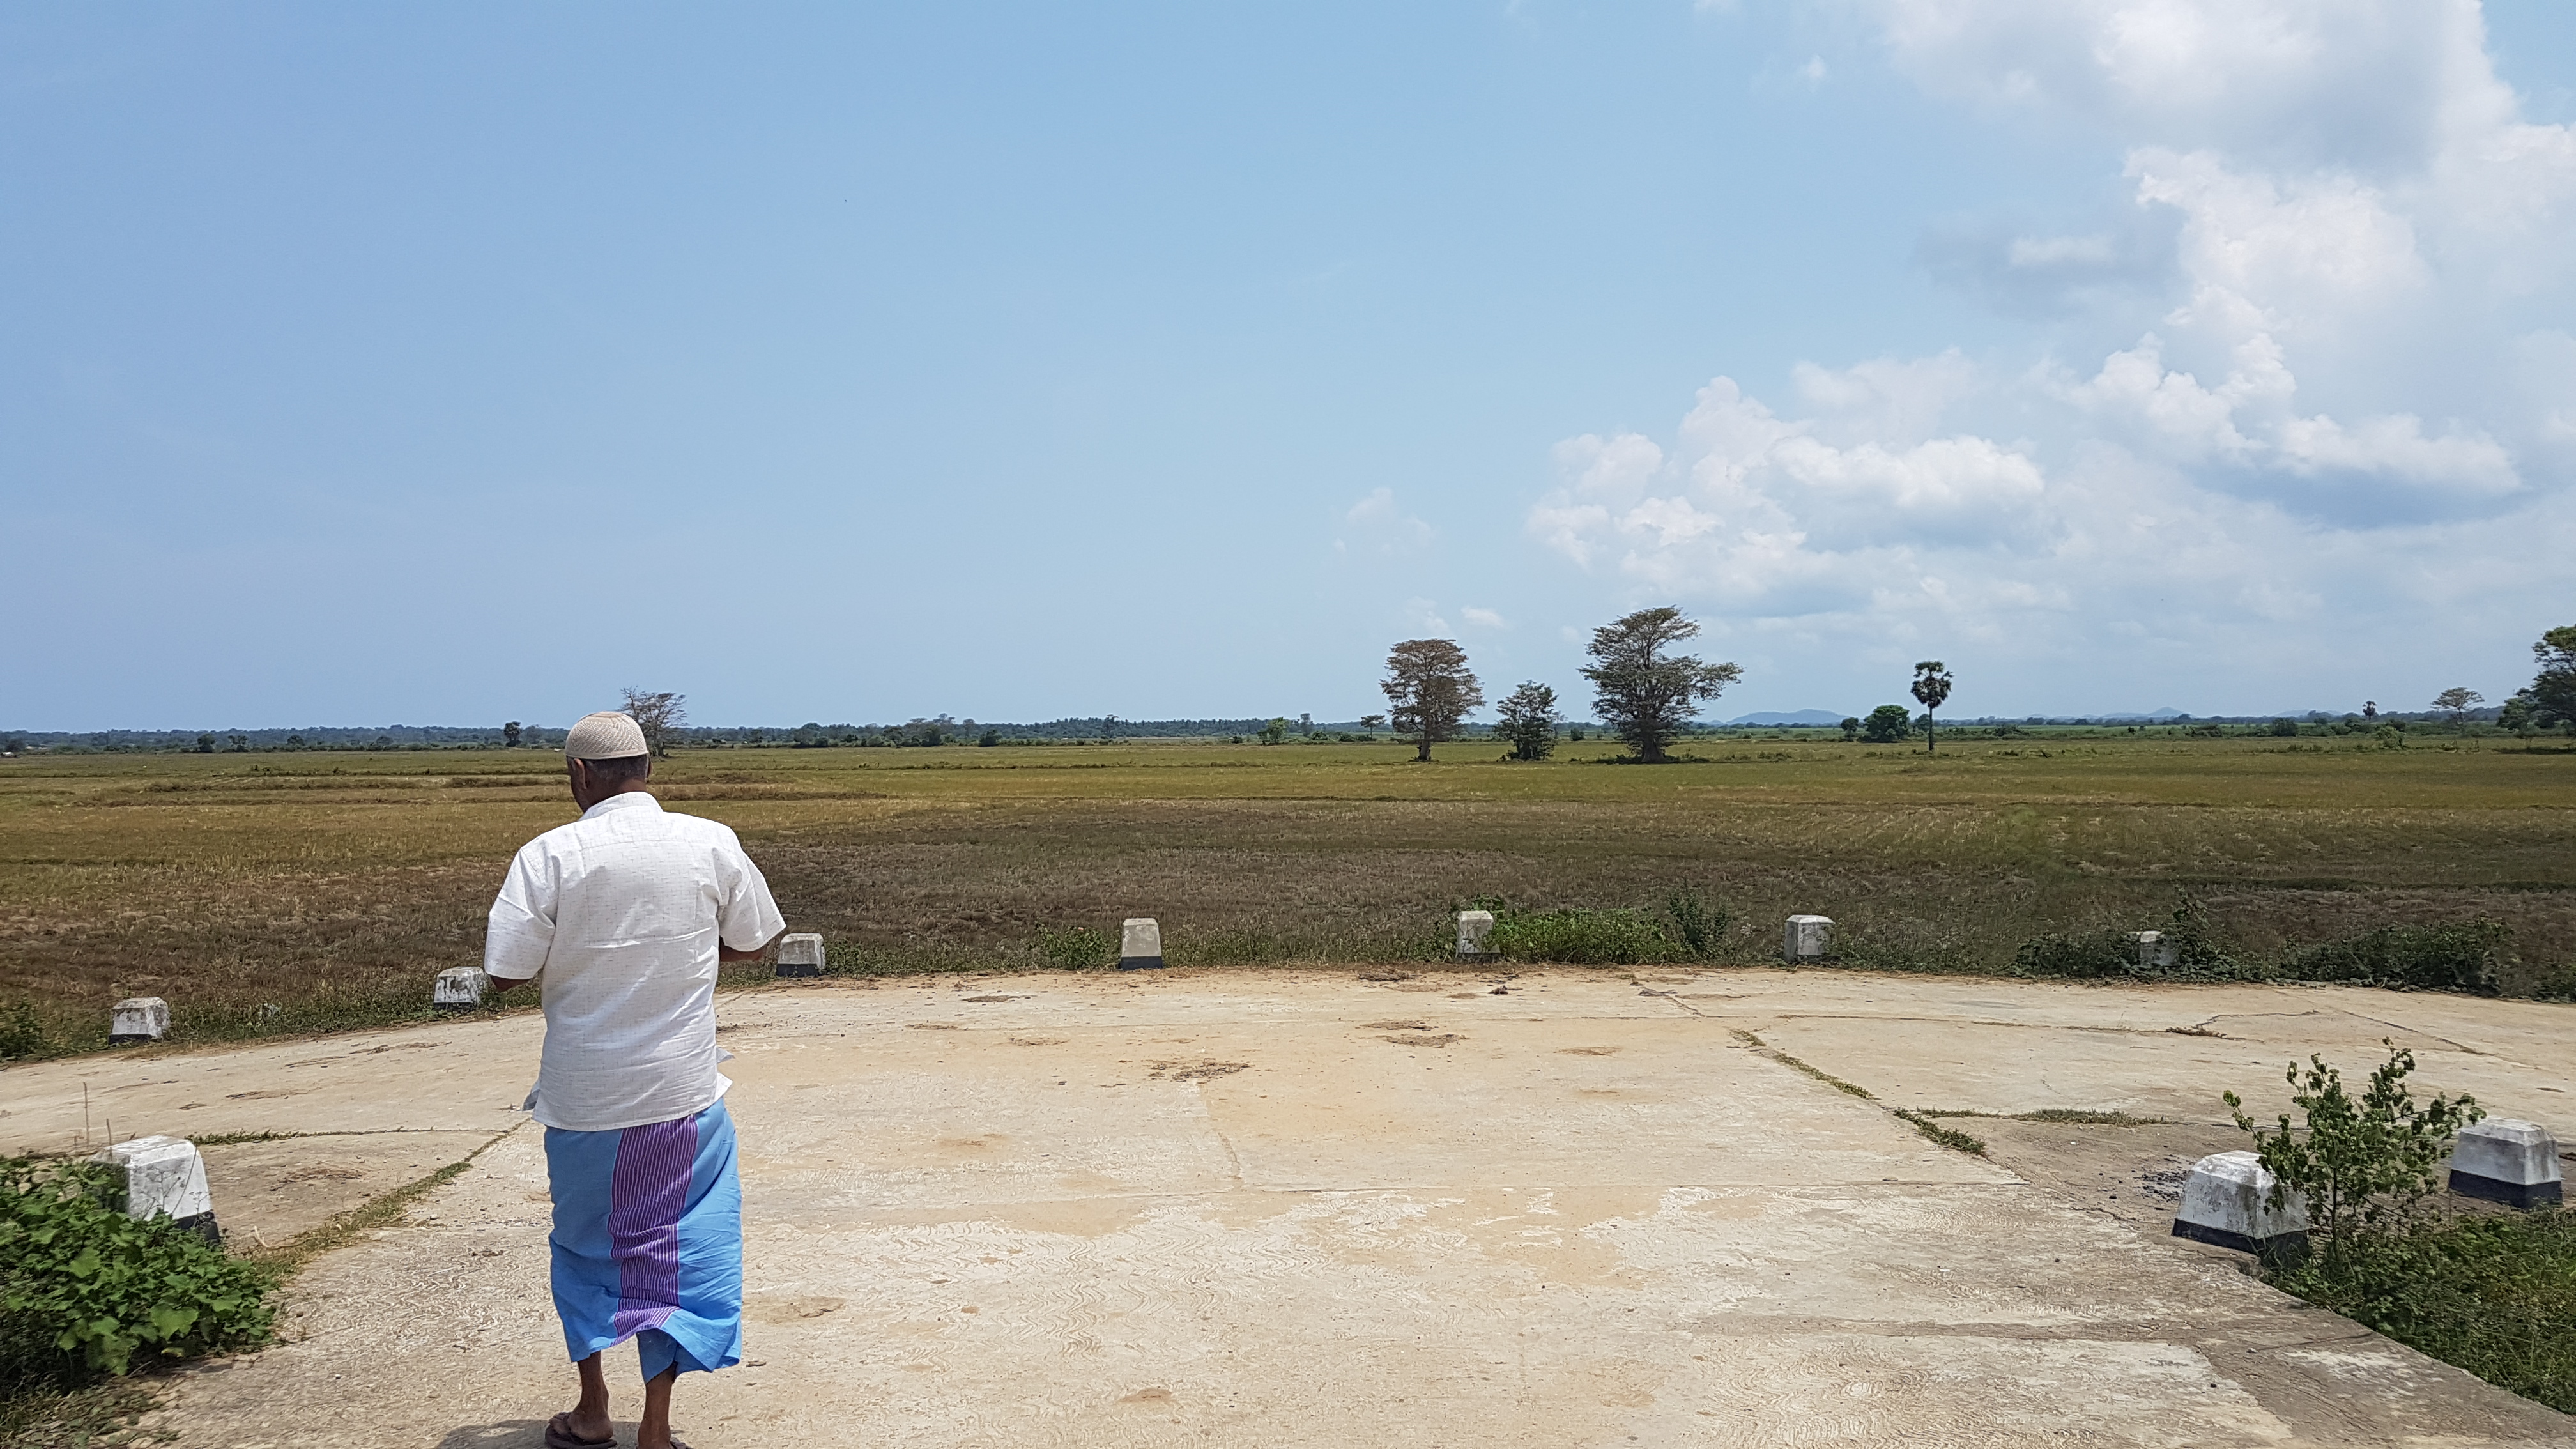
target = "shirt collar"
x: 622, y: 800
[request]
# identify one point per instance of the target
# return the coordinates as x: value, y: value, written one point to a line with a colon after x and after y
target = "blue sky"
x: 464, y: 363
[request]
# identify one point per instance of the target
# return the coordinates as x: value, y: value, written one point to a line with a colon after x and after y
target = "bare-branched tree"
x: 1429, y: 691
x: 1645, y: 696
x: 660, y: 714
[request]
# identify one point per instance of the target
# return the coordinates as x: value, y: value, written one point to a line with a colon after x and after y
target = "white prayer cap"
x: 606, y: 735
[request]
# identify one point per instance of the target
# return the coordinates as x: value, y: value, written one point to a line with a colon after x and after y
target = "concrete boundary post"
x: 800, y: 953
x: 2507, y: 1160
x: 1808, y: 938
x: 1140, y: 944
x: 164, y: 1175
x: 138, y: 1019
x: 459, y: 988
x: 1476, y: 937
x: 2227, y: 1201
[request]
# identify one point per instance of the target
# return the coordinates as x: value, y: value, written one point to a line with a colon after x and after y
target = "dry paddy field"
x: 334, y: 885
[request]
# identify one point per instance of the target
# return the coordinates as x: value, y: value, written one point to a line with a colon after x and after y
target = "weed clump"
x: 2467, y: 957
x: 22, y: 1033
x: 84, y: 1289
x: 1950, y: 1137
x: 2187, y: 951
x: 1580, y: 936
x: 1690, y: 928
x: 2493, y: 1295
x: 2463, y: 957
x: 1077, y: 948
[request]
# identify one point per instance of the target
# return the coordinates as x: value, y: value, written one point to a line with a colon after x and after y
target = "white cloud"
x: 1376, y: 527
x: 2311, y: 80
x: 1483, y: 618
x: 2335, y: 377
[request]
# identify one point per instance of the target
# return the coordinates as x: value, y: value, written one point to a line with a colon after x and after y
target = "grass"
x: 2494, y: 1294
x: 1821, y: 1075
x: 347, y: 1227
x: 100, y: 1415
x: 334, y: 886
x: 1950, y: 1137
x: 2064, y: 1116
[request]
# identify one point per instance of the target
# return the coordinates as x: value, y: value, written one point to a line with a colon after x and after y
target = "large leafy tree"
x: 1528, y: 718
x: 1644, y: 694
x: 1931, y: 686
x: 2553, y: 690
x: 1429, y: 691
x: 1888, y: 724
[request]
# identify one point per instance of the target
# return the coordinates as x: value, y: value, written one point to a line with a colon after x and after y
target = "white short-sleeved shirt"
x: 622, y: 910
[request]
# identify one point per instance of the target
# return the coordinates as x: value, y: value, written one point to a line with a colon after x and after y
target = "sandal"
x: 559, y: 1435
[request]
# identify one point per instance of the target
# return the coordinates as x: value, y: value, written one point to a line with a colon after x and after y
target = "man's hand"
x: 495, y: 985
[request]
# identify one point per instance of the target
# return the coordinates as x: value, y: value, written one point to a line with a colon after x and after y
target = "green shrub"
x: 84, y: 1288
x: 2493, y: 1295
x: 2364, y: 1167
x: 1080, y: 948
x: 22, y: 1033
x: 1583, y: 937
x: 2086, y: 955
x: 2460, y: 957
x: 1700, y: 924
x: 2554, y: 983
x: 2188, y: 939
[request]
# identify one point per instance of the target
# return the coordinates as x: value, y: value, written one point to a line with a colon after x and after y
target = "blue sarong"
x: 648, y: 1241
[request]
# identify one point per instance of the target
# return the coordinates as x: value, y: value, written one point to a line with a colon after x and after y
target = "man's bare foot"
x: 585, y: 1425
x: 577, y: 1429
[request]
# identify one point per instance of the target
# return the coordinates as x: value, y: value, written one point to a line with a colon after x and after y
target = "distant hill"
x: 1794, y: 717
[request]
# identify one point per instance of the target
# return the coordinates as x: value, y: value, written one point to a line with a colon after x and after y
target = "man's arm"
x: 728, y: 953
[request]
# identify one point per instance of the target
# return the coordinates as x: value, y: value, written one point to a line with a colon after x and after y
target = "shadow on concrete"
x: 507, y: 1434
x: 518, y: 1434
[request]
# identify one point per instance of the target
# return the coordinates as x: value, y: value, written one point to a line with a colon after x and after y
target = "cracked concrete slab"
x: 1274, y: 1207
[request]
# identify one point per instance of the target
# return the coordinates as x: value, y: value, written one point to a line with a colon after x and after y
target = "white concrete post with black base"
x: 800, y: 953
x: 459, y: 988
x: 2506, y: 1160
x: 2227, y: 1201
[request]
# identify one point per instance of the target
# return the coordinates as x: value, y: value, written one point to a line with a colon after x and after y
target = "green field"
x: 334, y: 885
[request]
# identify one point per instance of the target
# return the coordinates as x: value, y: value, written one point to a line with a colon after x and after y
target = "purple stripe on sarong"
x: 647, y: 1192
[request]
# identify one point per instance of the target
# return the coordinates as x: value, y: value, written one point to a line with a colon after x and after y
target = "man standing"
x: 627, y: 912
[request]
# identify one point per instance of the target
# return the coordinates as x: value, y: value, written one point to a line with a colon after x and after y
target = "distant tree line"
x: 1644, y: 693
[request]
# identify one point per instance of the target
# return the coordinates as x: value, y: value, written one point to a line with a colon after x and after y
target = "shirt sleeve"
x: 746, y: 917
x: 521, y: 928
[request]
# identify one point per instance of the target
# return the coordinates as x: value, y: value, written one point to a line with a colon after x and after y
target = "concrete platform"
x: 1299, y: 1208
